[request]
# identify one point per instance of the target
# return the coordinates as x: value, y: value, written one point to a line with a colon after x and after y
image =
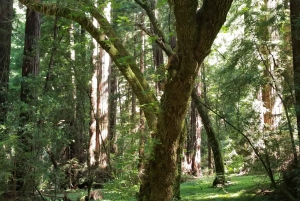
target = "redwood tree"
x: 196, y: 31
x: 30, y: 70
x: 295, y: 28
x: 6, y: 16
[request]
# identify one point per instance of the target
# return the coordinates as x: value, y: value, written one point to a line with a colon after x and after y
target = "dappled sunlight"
x: 240, y: 188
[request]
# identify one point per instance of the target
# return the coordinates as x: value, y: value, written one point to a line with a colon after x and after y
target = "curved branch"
x: 109, y: 41
x: 161, y: 41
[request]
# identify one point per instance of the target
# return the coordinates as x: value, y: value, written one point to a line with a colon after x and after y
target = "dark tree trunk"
x: 6, y: 17
x: 212, y: 140
x: 295, y: 28
x: 30, y: 69
x: 52, y: 56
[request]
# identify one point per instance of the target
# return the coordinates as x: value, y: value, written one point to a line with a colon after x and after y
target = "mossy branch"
x: 109, y: 41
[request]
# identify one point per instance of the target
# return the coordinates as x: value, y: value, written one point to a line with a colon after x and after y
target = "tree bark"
x: 295, y: 29
x: 6, y: 18
x: 192, y: 155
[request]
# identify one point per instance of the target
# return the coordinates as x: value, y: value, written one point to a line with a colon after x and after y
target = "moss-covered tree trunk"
x: 196, y: 31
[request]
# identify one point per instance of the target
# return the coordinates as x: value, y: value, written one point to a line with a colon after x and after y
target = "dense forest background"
x: 117, y: 94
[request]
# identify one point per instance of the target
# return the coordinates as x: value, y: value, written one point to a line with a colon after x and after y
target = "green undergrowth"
x: 238, y: 188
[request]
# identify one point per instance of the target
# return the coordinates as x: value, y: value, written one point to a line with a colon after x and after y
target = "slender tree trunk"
x: 30, y: 69
x: 212, y: 140
x: 6, y: 18
x: 52, y: 55
x: 94, y: 145
x: 209, y: 160
x: 143, y: 137
x: 112, y: 110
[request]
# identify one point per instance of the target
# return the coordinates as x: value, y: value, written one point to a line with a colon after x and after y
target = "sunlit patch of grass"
x: 240, y: 188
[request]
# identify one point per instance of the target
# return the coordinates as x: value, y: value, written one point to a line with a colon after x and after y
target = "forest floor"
x: 238, y: 188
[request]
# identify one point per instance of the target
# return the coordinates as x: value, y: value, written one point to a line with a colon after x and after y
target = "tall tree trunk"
x: 295, y: 28
x: 195, y: 141
x: 98, y: 149
x: 192, y: 156
x: 6, y: 18
x: 52, y: 55
x: 94, y: 145
x: 143, y: 137
x: 112, y: 110
x: 30, y: 69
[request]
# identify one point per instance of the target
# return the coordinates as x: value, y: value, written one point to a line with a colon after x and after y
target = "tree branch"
x: 161, y: 41
x: 210, y: 23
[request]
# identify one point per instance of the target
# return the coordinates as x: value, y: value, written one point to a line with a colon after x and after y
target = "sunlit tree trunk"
x: 98, y: 147
x: 6, y: 18
x: 104, y: 102
x: 193, y: 151
x: 94, y: 145
x: 192, y: 160
x: 272, y: 97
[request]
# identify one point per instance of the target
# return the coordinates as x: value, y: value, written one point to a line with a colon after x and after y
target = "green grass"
x: 241, y: 188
